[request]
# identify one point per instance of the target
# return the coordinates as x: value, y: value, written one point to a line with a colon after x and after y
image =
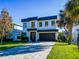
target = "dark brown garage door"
x: 46, y: 36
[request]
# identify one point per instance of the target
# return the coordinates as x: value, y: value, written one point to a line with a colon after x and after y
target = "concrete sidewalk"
x: 30, y: 51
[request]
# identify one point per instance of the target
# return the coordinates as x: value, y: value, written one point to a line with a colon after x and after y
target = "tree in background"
x: 69, y: 17
x: 71, y: 13
x: 6, y: 25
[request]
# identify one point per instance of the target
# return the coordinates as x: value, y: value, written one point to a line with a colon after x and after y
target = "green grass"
x: 8, y: 45
x: 64, y: 51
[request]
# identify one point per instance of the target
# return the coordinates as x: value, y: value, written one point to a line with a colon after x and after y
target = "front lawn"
x: 7, y: 45
x: 64, y: 51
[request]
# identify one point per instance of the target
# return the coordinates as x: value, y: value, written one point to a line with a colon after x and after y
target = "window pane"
x: 46, y: 23
x: 40, y: 24
x: 52, y: 23
x: 32, y: 24
x: 25, y: 25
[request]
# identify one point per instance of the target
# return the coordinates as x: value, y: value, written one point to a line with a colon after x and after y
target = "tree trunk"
x: 3, y: 34
x: 2, y: 40
x: 69, y: 37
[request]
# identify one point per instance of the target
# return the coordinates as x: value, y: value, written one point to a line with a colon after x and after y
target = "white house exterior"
x: 40, y: 29
x: 16, y: 32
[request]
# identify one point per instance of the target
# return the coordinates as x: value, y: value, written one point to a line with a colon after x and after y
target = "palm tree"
x: 71, y: 15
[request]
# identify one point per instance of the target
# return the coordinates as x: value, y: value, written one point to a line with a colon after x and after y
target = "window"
x: 40, y: 24
x: 46, y: 23
x: 25, y: 25
x: 32, y: 24
x: 52, y: 23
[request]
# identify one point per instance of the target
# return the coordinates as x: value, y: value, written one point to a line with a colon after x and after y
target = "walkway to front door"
x: 30, y: 51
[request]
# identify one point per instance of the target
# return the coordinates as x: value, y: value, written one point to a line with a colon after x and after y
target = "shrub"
x: 69, y: 39
x: 24, y: 39
x: 7, y: 39
x: 61, y: 37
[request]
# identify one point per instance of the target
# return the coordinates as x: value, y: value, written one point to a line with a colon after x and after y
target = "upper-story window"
x: 52, y: 23
x: 46, y: 23
x: 25, y: 25
x: 40, y: 24
x: 32, y: 24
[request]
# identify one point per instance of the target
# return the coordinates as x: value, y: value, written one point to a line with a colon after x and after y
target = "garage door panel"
x: 47, y: 36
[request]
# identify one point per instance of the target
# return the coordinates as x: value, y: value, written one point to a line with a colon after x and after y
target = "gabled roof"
x: 40, y: 18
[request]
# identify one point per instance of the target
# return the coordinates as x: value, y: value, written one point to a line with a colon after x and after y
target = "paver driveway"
x: 38, y: 50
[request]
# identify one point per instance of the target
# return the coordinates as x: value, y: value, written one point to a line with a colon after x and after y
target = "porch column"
x: 29, y: 37
x: 36, y: 36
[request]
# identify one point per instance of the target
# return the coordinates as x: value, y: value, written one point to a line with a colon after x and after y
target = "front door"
x: 33, y: 36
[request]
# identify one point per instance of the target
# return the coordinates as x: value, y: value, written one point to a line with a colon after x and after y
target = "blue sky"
x: 19, y: 9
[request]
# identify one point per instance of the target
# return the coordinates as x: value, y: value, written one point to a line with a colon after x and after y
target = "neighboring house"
x: 16, y: 32
x: 40, y: 29
x: 75, y: 31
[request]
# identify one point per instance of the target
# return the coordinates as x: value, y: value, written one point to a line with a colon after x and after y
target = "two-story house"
x: 40, y: 28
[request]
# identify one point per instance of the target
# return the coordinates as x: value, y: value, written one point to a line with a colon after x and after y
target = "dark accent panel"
x: 31, y: 29
x: 47, y: 37
x: 48, y: 18
x: 39, y: 18
x: 48, y: 30
x: 29, y: 19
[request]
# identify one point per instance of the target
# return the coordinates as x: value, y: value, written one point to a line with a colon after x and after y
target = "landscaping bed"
x: 64, y: 51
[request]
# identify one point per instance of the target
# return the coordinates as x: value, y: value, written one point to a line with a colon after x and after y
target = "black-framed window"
x: 40, y: 24
x: 52, y: 23
x: 46, y: 23
x: 32, y: 24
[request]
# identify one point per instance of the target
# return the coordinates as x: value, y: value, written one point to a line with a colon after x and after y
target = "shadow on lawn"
x: 24, y: 50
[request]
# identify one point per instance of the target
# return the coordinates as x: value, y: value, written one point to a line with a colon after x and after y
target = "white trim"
x: 29, y: 35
